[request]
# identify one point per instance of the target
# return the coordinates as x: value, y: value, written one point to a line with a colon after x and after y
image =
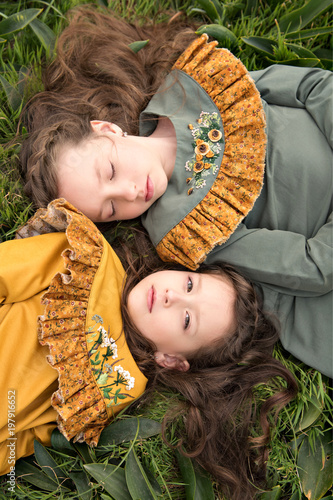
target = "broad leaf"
x: 13, y: 96
x: 60, y: 443
x: 315, y: 466
x: 311, y: 33
x: 197, y: 484
x: 35, y: 476
x: 112, y: 478
x: 18, y: 21
x: 47, y: 463
x: 311, y: 413
x: 44, y: 33
x: 274, y: 494
x: 125, y: 430
x: 261, y: 44
x: 299, y: 18
x: 137, y: 481
x: 81, y: 481
x: 210, y: 9
x: 220, y: 33
x: 301, y: 62
x: 136, y: 46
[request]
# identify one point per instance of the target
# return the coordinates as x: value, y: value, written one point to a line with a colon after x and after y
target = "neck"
x: 167, y: 143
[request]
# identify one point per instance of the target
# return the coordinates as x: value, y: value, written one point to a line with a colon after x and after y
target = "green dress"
x: 283, y: 243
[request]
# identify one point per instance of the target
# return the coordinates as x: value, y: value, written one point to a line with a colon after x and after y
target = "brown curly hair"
x: 217, y: 403
x: 94, y: 76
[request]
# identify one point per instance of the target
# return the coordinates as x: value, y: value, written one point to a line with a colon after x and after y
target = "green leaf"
x: 13, y: 97
x: 137, y: 481
x: 301, y: 62
x: 311, y: 33
x: 261, y: 44
x: 112, y: 478
x: 60, y: 443
x: 210, y: 9
x: 299, y: 18
x: 18, y: 21
x: 251, y: 6
x: 125, y: 430
x: 315, y: 467
x: 220, y: 33
x: 198, y: 486
x: 47, y: 463
x: 82, y: 484
x: 136, y: 46
x: 44, y: 33
x: 302, y: 52
x: 311, y: 413
x: 274, y: 494
x: 35, y: 476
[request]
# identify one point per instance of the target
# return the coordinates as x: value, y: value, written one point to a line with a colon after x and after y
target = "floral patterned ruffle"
x: 240, y: 178
x: 95, y: 371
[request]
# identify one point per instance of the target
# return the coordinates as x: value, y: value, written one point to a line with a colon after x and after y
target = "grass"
x: 306, y: 419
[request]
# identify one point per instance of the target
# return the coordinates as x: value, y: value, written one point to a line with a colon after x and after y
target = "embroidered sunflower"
x: 206, y: 149
x: 214, y: 135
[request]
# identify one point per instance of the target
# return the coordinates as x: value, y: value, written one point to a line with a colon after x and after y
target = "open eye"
x: 187, y: 321
x: 189, y: 285
x: 112, y: 171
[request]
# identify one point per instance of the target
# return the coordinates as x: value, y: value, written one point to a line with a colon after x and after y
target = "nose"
x: 172, y: 297
x: 128, y: 191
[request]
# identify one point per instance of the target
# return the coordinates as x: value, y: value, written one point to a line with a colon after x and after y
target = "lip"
x: 151, y: 297
x: 149, y: 189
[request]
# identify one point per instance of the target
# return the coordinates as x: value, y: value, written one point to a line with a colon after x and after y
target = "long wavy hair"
x: 94, y: 76
x: 218, y: 406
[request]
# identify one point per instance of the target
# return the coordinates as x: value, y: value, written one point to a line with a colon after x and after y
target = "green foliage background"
x: 260, y: 33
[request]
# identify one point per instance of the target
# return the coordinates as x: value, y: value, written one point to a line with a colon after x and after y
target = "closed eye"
x: 112, y: 171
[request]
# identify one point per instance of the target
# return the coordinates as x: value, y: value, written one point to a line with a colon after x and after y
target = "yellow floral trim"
x: 93, y: 384
x: 240, y: 178
x: 203, y: 162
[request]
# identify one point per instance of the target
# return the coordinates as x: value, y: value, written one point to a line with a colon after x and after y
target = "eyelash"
x: 187, y: 316
x: 113, y: 171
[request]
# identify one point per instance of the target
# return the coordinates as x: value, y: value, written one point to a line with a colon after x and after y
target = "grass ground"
x: 256, y: 32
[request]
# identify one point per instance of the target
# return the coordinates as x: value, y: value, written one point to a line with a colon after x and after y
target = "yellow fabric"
x: 80, y: 329
x: 26, y: 268
x: 240, y: 178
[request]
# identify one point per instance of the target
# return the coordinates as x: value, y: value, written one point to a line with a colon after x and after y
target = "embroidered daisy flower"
x: 127, y: 376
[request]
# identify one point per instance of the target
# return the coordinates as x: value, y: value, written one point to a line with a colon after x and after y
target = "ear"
x: 102, y: 127
x: 172, y: 361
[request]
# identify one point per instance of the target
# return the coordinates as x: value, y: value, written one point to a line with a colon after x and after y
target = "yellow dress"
x: 64, y: 358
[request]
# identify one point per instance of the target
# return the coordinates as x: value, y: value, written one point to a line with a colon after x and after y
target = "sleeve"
x: 290, y: 263
x: 28, y: 265
x: 309, y: 88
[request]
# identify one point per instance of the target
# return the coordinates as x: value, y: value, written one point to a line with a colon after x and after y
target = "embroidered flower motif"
x: 214, y: 135
x: 207, y: 138
x: 108, y: 377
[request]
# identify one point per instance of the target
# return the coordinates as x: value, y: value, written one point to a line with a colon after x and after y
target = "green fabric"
x: 181, y: 99
x: 285, y: 244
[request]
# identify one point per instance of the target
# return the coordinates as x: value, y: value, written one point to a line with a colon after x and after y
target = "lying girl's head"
x: 95, y: 166
x: 204, y: 336
x: 185, y: 318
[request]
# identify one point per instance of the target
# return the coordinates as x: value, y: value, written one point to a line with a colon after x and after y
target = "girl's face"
x: 111, y: 177
x: 181, y: 312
